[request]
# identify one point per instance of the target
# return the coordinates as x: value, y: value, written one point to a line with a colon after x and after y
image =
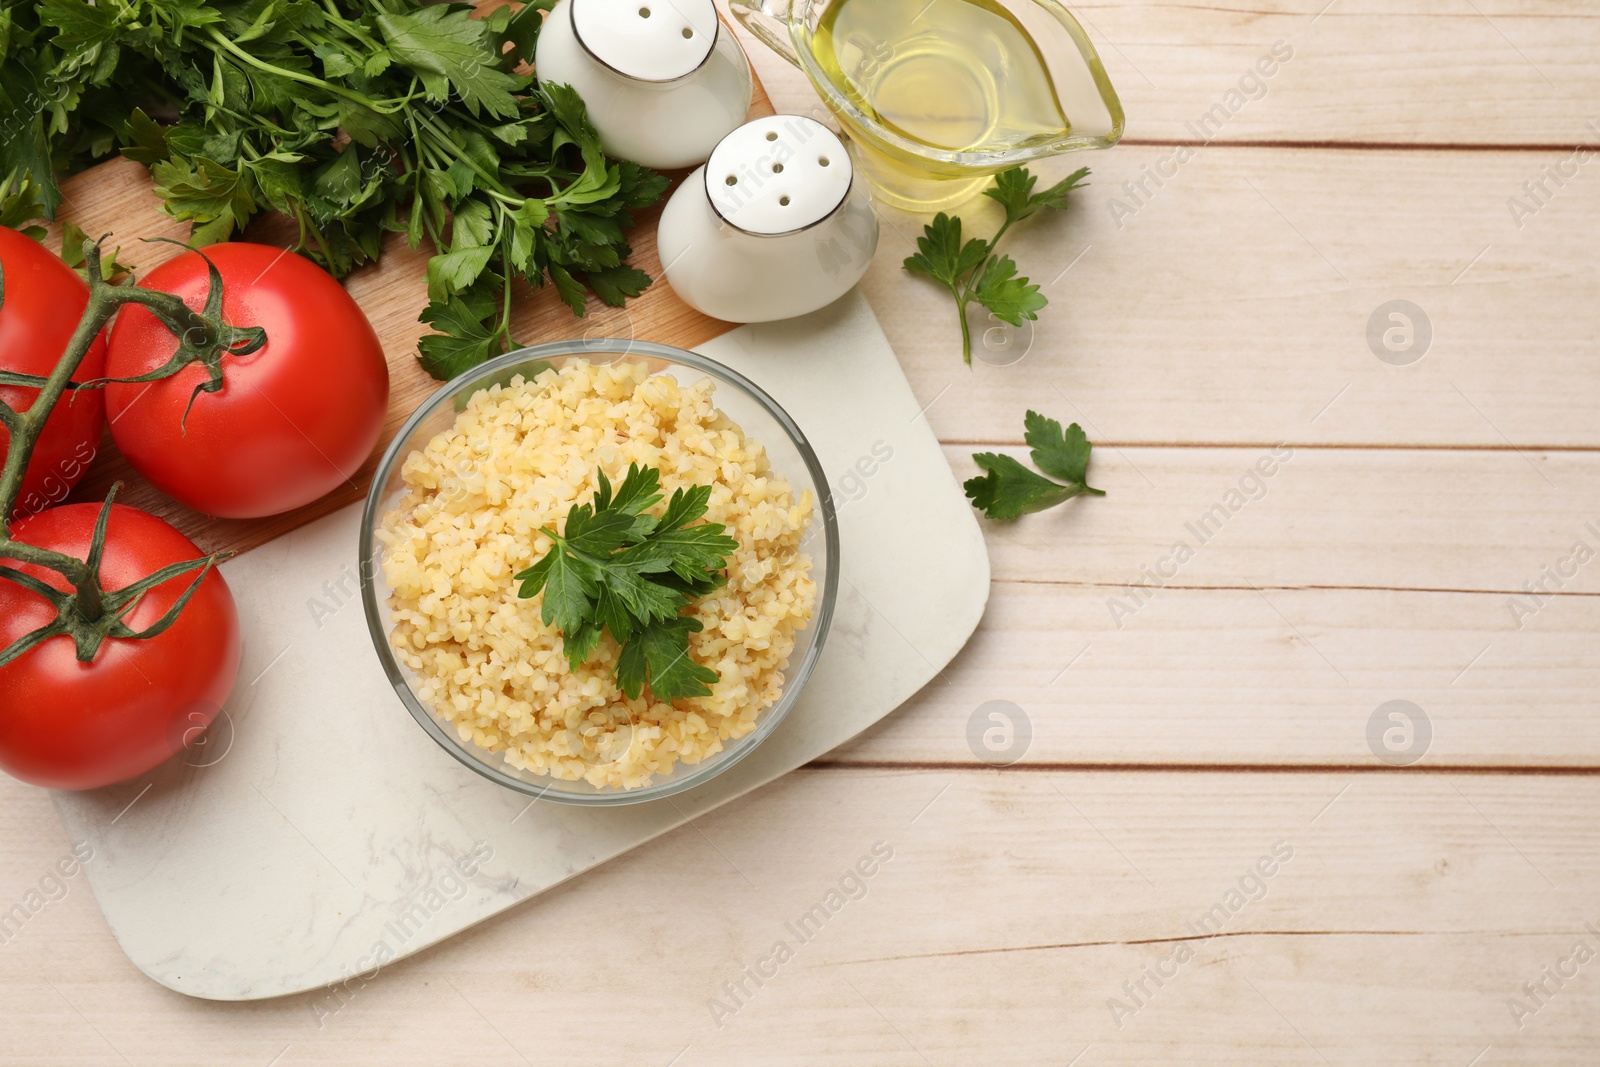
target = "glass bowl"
x: 736, y: 396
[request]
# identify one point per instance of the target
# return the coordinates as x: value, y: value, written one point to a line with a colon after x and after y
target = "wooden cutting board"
x: 118, y: 198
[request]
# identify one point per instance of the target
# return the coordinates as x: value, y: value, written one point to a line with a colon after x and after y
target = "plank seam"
x: 1361, y: 146
x: 1255, y: 446
x: 1302, y: 588
x: 953, y: 766
x: 1191, y: 938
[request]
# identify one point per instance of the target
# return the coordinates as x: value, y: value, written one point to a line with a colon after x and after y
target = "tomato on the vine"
x: 44, y: 300
x: 291, y: 422
x: 71, y: 725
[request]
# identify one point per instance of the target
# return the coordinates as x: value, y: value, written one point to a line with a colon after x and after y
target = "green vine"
x: 89, y: 613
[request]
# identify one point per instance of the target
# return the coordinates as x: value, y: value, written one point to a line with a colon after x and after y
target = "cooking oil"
x: 953, y: 75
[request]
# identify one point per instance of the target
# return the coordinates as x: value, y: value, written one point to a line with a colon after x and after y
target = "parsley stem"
x: 316, y: 234
x: 965, y: 289
x: 977, y: 272
x: 505, y: 290
x: 962, y: 302
x: 433, y: 232
x: 304, y: 79
x: 508, y: 199
x: 1001, y: 232
x: 491, y: 184
x: 337, y: 18
x: 427, y: 155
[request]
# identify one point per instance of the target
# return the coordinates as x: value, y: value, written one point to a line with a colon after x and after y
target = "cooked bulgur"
x: 516, y: 459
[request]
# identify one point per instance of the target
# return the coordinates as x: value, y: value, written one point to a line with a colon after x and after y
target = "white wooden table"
x: 1061, y: 911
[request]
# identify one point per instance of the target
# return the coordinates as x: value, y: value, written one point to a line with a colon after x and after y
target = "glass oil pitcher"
x: 937, y: 95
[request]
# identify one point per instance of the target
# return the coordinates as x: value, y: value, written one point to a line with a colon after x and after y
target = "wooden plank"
x: 1277, y: 629
x: 955, y: 951
x: 1014, y: 907
x: 1361, y: 72
x: 1491, y: 522
x: 117, y: 197
x: 1260, y: 677
x: 1234, y: 307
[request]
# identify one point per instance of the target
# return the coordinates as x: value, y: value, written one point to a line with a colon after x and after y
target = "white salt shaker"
x: 773, y: 226
x: 663, y: 80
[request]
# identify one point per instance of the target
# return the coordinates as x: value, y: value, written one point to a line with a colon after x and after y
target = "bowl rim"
x: 821, y: 619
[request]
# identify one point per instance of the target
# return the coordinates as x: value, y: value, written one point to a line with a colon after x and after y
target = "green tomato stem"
x: 104, y: 300
x: 86, y: 619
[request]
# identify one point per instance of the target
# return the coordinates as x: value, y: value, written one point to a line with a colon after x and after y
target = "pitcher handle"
x: 768, y: 20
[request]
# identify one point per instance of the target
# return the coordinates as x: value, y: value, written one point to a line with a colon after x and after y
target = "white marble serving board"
x: 328, y: 835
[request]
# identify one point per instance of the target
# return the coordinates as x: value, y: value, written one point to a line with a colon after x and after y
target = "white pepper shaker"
x: 663, y: 80
x: 773, y: 226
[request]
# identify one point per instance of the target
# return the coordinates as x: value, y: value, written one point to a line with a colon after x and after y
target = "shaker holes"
x: 783, y: 201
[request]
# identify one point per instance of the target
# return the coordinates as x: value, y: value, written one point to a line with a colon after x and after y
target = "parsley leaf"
x: 597, y: 535
x: 663, y: 649
x: 447, y: 48
x: 568, y: 582
x: 687, y: 553
x: 352, y: 120
x: 581, y: 643
x: 1060, y: 454
x: 641, y: 489
x: 72, y: 240
x: 617, y: 569
x: 520, y: 29
x: 464, y: 340
x: 644, y: 599
x: 21, y: 206
x: 1013, y: 190
x: 1055, y: 197
x: 615, y: 285
x: 568, y: 288
x: 942, y: 256
x: 972, y: 271
x: 215, y: 197
x: 685, y: 506
x: 1000, y: 290
x: 1008, y: 490
x: 450, y: 273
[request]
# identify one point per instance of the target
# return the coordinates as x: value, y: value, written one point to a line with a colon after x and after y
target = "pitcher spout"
x: 769, y: 21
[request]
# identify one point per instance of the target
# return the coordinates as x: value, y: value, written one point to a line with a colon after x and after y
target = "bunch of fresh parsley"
x: 353, y: 118
x: 616, y: 569
x: 972, y: 271
x: 1009, y: 490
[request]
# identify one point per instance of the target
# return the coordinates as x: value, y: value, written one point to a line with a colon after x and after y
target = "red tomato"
x: 71, y: 725
x: 292, y: 422
x: 44, y: 300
